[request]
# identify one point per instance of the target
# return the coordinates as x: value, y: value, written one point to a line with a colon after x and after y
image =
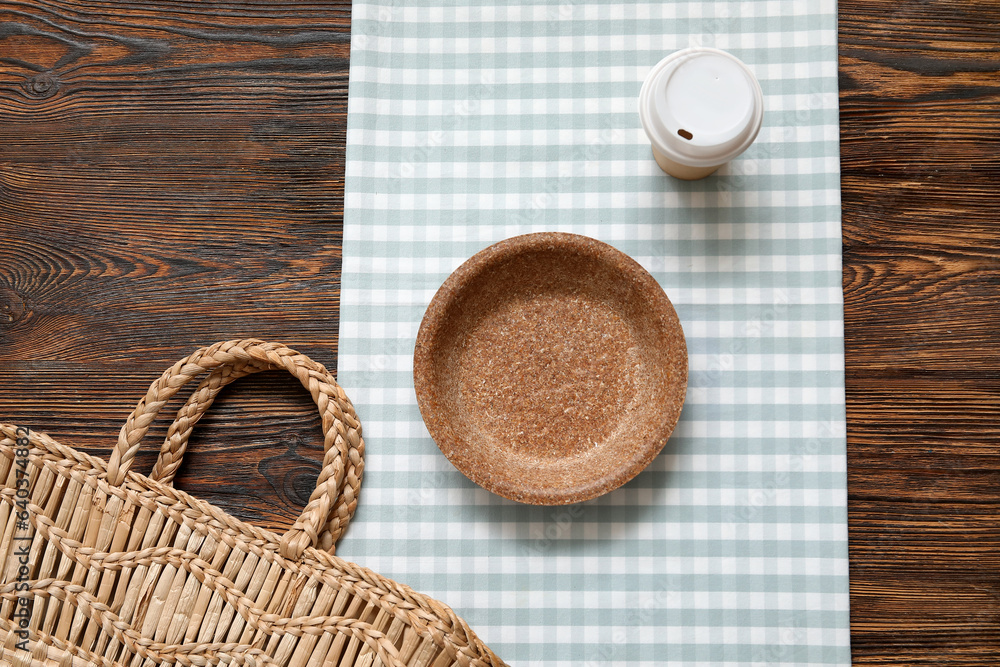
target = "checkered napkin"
x: 474, y: 122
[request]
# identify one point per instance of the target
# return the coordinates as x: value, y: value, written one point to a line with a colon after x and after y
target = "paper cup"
x: 700, y: 108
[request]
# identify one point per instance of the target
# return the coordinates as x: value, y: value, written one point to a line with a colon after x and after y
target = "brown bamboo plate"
x: 550, y: 368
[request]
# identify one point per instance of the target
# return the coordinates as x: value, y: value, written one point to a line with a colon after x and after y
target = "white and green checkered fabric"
x: 470, y: 124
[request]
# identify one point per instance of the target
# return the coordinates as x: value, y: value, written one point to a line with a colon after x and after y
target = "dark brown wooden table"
x: 171, y: 174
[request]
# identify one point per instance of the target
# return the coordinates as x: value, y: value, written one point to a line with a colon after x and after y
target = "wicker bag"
x: 104, y: 566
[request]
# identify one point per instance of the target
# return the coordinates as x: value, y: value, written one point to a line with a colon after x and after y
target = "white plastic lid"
x: 701, y: 107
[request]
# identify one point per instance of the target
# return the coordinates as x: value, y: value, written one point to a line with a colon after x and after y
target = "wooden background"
x: 171, y: 175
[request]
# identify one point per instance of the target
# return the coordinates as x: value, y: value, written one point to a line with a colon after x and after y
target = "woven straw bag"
x: 104, y: 566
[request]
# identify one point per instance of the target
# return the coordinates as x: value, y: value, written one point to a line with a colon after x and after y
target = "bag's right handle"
x: 334, y: 500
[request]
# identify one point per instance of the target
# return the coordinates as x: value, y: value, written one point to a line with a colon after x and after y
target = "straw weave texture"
x: 104, y: 566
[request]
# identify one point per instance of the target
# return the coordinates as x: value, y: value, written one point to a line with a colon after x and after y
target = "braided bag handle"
x: 175, y: 444
x: 333, y: 501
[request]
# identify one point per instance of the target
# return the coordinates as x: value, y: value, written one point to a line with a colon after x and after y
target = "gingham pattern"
x: 469, y: 124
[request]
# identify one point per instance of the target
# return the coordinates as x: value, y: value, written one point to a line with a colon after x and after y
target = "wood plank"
x: 170, y: 176
x: 920, y: 156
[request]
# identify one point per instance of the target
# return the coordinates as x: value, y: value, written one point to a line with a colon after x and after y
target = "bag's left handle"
x: 332, y: 503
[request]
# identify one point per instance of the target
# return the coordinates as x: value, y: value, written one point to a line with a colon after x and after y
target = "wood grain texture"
x: 920, y: 156
x: 171, y: 174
